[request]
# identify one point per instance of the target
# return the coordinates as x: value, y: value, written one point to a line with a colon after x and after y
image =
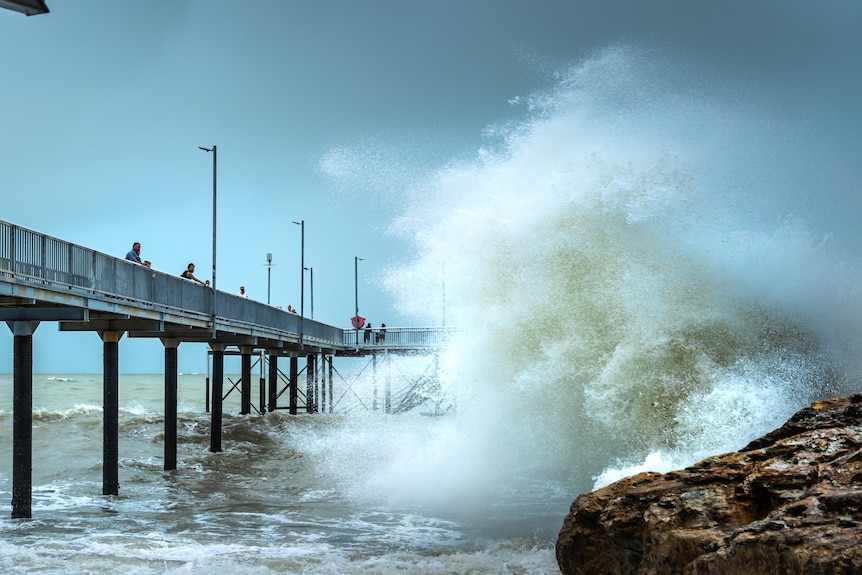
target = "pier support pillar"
x: 387, y: 388
x: 292, y: 384
x: 245, y: 382
x: 322, y: 390
x: 217, y: 396
x: 273, y: 381
x: 262, y: 381
x: 22, y: 419
x: 171, y: 345
x: 310, y: 384
x: 111, y: 412
x: 374, y: 381
x: 330, y: 384
x: 207, y: 383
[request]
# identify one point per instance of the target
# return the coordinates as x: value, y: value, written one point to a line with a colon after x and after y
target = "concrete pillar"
x: 262, y: 381
x: 22, y: 419
x: 374, y: 381
x: 245, y: 382
x: 294, y: 390
x: 330, y: 384
x: 322, y: 390
x: 207, y: 386
x: 171, y: 345
x: 387, y: 386
x: 310, y: 373
x: 111, y: 412
x: 217, y: 396
x: 273, y: 382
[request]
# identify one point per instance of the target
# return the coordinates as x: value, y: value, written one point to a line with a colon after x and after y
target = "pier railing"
x: 31, y: 258
x: 400, y: 338
x: 34, y: 259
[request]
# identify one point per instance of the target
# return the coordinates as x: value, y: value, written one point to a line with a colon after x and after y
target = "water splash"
x: 628, y: 292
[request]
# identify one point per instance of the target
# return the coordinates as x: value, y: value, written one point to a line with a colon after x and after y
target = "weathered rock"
x: 789, y: 503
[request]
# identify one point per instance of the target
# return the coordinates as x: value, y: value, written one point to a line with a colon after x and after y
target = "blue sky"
x: 323, y: 111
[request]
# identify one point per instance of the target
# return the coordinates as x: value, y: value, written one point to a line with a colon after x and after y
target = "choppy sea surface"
x: 269, y: 503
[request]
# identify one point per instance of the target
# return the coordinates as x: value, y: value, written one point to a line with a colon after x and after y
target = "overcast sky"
x: 322, y: 111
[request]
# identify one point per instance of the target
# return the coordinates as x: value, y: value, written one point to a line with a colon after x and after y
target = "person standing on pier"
x: 242, y: 292
x: 189, y: 274
x: 368, y: 333
x: 134, y: 255
x: 381, y: 334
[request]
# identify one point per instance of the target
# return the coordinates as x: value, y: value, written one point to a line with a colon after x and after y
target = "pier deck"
x: 45, y: 279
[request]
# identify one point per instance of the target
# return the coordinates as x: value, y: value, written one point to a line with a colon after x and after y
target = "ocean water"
x: 653, y: 264
x: 269, y: 503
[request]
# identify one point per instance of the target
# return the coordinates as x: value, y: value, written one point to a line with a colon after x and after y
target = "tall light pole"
x: 215, y: 174
x: 301, y: 224
x: 356, y: 292
x: 311, y: 274
x: 268, y: 275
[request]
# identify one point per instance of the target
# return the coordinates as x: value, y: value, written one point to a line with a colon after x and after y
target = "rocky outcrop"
x: 789, y: 503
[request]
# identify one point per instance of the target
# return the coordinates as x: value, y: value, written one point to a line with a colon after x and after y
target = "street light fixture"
x: 269, y: 265
x: 215, y: 173
x: 301, y: 224
x: 311, y: 274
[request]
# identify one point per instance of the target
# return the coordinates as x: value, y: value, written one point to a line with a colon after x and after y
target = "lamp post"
x: 215, y: 173
x: 301, y: 224
x: 268, y: 275
x: 311, y: 275
x: 356, y: 292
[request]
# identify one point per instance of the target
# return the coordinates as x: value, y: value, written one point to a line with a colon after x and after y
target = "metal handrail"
x: 30, y: 257
x: 400, y: 337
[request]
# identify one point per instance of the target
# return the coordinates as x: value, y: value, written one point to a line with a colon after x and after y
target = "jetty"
x: 45, y: 279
